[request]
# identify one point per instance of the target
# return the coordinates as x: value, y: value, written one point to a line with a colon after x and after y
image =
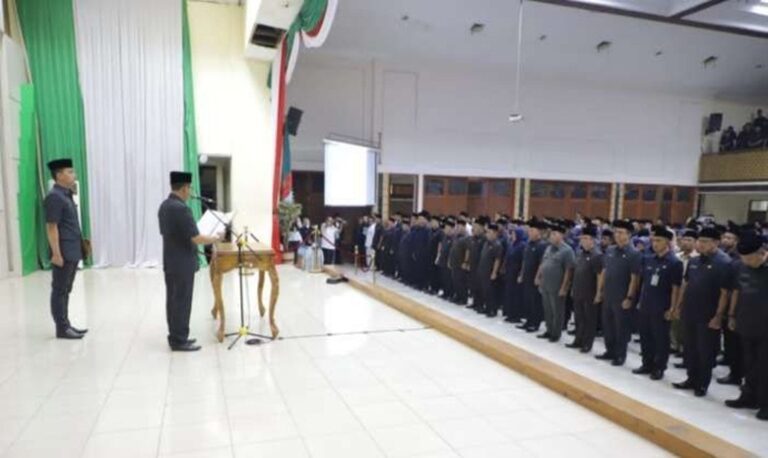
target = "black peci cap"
x: 58, y: 164
x: 181, y: 178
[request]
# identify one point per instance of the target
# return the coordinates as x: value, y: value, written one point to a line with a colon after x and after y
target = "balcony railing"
x: 738, y: 166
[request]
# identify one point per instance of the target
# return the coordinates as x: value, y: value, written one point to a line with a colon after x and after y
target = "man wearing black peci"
x: 66, y: 244
x: 180, y: 240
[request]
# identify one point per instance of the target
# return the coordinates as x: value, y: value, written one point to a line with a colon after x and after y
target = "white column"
x: 420, y: 193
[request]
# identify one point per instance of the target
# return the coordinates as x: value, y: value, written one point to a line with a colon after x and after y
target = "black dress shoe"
x: 543, y: 336
x: 687, y: 384
x: 657, y: 374
x: 191, y: 341
x: 531, y: 329
x: 604, y: 356
x: 571, y: 332
x: 762, y: 414
x: 69, y: 334
x: 185, y: 347
x: 618, y: 361
x: 573, y: 345
x: 554, y: 339
x: 642, y: 370
x: 680, y: 365
x: 729, y: 380
x: 585, y: 349
x: 700, y: 392
x: 490, y: 314
x: 79, y: 331
x: 742, y: 403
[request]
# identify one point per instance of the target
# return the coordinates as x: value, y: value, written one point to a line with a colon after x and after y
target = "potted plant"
x: 288, y: 213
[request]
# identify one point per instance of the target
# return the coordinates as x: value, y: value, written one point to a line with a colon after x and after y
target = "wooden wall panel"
x: 476, y: 196
x: 562, y: 199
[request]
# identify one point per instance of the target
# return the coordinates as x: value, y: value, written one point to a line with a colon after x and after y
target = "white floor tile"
x: 558, y: 446
x: 125, y: 444
x: 468, y: 432
x: 290, y: 448
x: 385, y: 414
x: 199, y: 436
x: 354, y: 445
x: 409, y: 440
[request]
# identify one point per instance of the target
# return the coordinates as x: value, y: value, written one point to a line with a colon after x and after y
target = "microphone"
x: 204, y: 199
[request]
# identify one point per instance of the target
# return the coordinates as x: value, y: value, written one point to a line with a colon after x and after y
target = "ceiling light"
x: 711, y: 60
x: 515, y: 117
x: 603, y: 46
x: 476, y: 28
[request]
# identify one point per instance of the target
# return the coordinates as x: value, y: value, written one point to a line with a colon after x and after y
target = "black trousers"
x: 733, y: 353
x: 586, y: 312
x: 477, y: 287
x: 655, y: 338
x: 178, y: 305
x: 513, y: 298
x: 328, y: 256
x: 755, y: 387
x: 435, y: 280
x: 446, y: 280
x: 700, y: 347
x: 569, y: 311
x: 617, y: 329
x: 491, y: 297
x: 460, y: 286
x: 61, y: 287
x: 534, y: 311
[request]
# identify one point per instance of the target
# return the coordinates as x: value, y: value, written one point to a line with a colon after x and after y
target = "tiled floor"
x: 390, y: 388
x: 737, y: 426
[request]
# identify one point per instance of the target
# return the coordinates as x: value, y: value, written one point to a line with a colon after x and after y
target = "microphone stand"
x: 241, y: 240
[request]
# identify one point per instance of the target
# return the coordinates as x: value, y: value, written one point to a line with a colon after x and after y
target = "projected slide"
x: 350, y: 175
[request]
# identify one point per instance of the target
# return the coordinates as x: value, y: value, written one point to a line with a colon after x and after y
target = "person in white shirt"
x: 687, y: 251
x: 329, y: 232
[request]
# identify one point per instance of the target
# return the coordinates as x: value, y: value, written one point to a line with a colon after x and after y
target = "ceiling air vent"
x: 266, y: 36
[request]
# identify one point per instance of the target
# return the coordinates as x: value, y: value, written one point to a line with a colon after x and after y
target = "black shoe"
x: 700, y: 392
x: 185, y: 347
x: 511, y: 320
x: 573, y: 344
x: 191, y: 341
x: 69, y: 334
x: 657, y: 374
x: 721, y: 361
x: 572, y: 332
x: 741, y: 403
x: 544, y: 336
x: 642, y: 370
x: 604, y: 356
x: 79, y: 331
x: 762, y: 414
x: 586, y: 349
x: 680, y: 365
x: 618, y: 361
x: 490, y: 314
x: 729, y: 380
x: 687, y: 384
x: 531, y: 329
x: 554, y: 339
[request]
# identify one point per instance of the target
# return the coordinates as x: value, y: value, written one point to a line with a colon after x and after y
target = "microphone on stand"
x: 207, y: 200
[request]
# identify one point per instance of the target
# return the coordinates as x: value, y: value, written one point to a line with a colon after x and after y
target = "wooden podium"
x: 255, y: 256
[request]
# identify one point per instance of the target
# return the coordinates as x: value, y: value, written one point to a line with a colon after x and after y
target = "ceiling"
x: 560, y: 41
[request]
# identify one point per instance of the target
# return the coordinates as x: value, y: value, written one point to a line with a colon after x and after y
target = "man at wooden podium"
x: 180, y: 259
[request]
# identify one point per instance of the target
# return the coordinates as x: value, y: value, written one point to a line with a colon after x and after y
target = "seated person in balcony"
x: 728, y: 139
x: 757, y: 138
x: 742, y: 141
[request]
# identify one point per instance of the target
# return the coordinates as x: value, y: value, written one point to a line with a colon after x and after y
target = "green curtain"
x: 29, y: 191
x: 49, y: 36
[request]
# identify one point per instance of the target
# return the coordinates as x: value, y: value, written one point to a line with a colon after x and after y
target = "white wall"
x: 450, y: 120
x: 12, y: 75
x: 729, y: 206
x: 233, y: 111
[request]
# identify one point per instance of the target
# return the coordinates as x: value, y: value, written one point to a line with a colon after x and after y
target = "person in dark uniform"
x: 748, y: 316
x: 436, y: 235
x: 458, y: 262
x: 554, y: 281
x: 444, y: 253
x: 513, y: 263
x: 66, y: 244
x: 404, y: 255
x: 476, y: 244
x: 180, y: 240
x: 419, y: 248
x: 617, y: 288
x: 587, y: 269
x: 732, y: 354
x: 534, y: 251
x: 706, y: 287
x: 488, y: 271
x: 661, y: 279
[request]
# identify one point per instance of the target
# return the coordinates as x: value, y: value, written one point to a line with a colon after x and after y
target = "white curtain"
x: 130, y: 64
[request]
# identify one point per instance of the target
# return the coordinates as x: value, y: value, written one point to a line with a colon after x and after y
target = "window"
x: 649, y: 195
x: 667, y: 196
x: 758, y: 205
x: 475, y: 188
x: 579, y: 191
x: 457, y: 187
x: 502, y: 188
x: 558, y: 191
x: 631, y: 192
x: 539, y: 189
x: 683, y: 194
x: 435, y: 187
x: 601, y: 191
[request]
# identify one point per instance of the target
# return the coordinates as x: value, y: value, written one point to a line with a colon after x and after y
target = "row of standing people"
x: 696, y: 288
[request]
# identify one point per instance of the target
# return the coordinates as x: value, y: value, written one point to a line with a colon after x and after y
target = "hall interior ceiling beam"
x: 683, y: 8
